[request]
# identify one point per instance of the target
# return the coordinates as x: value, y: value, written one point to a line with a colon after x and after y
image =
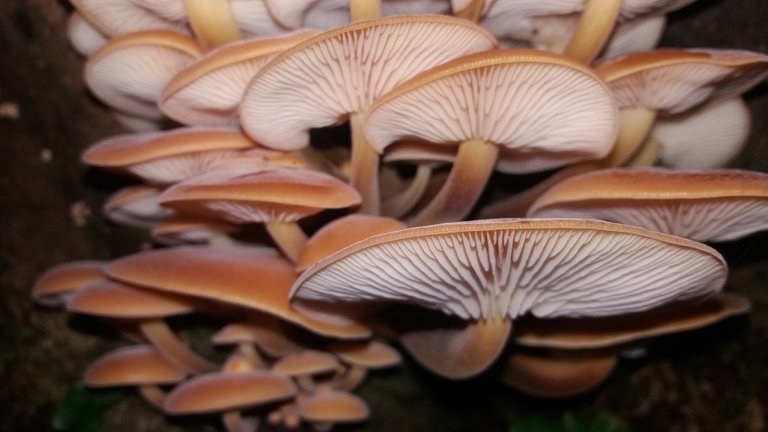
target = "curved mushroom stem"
x: 153, y: 394
x: 158, y: 334
x: 470, y: 173
x: 212, y: 22
x: 634, y: 126
x: 249, y: 352
x: 597, y: 20
x: 289, y: 237
x: 647, y: 155
x: 459, y: 352
x: 353, y: 377
x: 234, y: 422
x: 406, y: 200
x: 364, y: 9
x: 473, y: 11
x: 365, y: 167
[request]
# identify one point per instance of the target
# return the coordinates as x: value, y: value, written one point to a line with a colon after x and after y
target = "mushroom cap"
x: 137, y: 206
x: 270, y: 194
x: 586, y: 333
x: 333, y: 407
x: 673, y: 81
x: 307, y: 362
x: 247, y: 277
x: 368, y: 354
x: 715, y: 205
x: 341, y: 233
x: 119, y: 17
x: 216, y: 392
x: 129, y: 72
x: 181, y: 230
x: 131, y: 366
x: 508, y: 267
x: 708, y: 136
x: 167, y: 157
x: 56, y: 284
x: 546, y: 109
x: 208, y: 91
x: 321, y: 80
x: 117, y: 300
x: 272, y: 336
x: 557, y: 376
x: 83, y: 36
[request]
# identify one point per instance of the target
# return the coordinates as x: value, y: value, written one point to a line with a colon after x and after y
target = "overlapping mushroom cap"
x: 490, y: 272
x: 353, y: 65
x: 506, y: 268
x: 702, y: 205
x: 549, y: 109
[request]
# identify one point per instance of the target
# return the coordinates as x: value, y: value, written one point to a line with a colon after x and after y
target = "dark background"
x: 710, y: 380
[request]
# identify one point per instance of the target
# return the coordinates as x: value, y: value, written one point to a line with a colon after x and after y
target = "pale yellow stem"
x: 647, y: 155
x: 473, y: 11
x: 595, y: 26
x: 165, y: 340
x: 213, y: 22
x: 634, y: 126
x: 406, y: 200
x: 352, y: 379
x: 153, y: 394
x: 289, y: 237
x: 471, y: 170
x: 365, y: 167
x: 364, y: 9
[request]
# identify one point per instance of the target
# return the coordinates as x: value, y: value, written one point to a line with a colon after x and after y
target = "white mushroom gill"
x: 508, y: 268
x: 710, y: 221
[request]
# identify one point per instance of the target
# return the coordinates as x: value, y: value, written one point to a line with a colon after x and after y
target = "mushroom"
x: 129, y: 72
x: 302, y: 366
x: 339, y: 73
x: 85, y: 38
x: 164, y: 158
x: 112, y: 299
x: 250, y: 278
x: 360, y: 357
x: 229, y: 393
x: 557, y: 375
x: 136, y: 206
x: 545, y: 108
x: 325, y: 409
x: 208, y: 92
x: 707, y: 206
x: 277, y: 197
x: 488, y: 273
x: 139, y: 365
x: 54, y: 287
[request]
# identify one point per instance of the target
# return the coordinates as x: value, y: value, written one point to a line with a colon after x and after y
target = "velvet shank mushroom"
x: 488, y: 273
x: 339, y: 74
x: 548, y: 110
x: 708, y: 206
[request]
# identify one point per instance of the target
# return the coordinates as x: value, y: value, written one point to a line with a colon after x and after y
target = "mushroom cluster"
x: 313, y: 249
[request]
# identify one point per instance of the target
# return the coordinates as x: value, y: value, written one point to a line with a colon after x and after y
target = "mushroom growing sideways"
x: 487, y: 273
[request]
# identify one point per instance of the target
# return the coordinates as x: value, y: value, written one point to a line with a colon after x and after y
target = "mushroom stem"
x: 249, y: 352
x: 459, y: 352
x: 289, y: 237
x: 406, y: 200
x: 158, y: 334
x: 234, y: 422
x: 153, y: 394
x: 364, y: 9
x: 365, y: 167
x: 473, y: 11
x: 212, y: 22
x: 353, y: 377
x: 634, y: 127
x: 470, y: 173
x: 597, y: 20
x: 647, y: 155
